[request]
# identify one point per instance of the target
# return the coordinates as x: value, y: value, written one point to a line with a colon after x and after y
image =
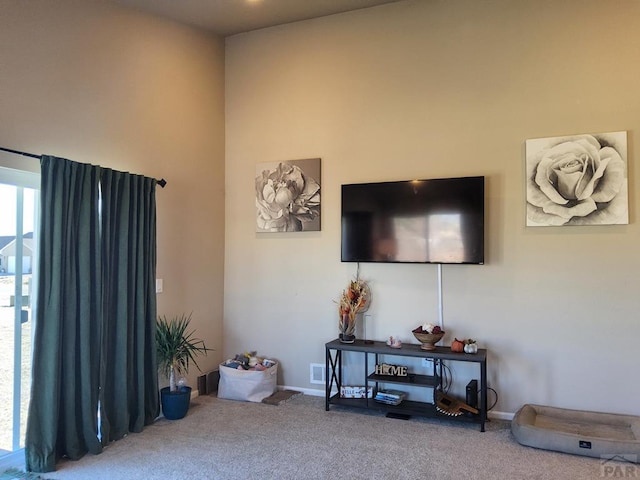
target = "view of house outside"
x: 8, y: 300
x: 7, y: 330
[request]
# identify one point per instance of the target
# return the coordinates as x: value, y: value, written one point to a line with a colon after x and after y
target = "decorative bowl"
x: 428, y: 340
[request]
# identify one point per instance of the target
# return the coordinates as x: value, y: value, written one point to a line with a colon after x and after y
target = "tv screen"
x: 416, y: 221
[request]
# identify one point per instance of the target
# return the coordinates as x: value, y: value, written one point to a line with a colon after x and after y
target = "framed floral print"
x: 288, y: 196
x: 577, y: 180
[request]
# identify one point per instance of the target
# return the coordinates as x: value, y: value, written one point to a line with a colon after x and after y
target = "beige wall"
x: 414, y: 89
x: 102, y: 84
x: 427, y: 89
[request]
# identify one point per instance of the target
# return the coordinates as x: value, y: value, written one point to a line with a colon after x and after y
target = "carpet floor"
x: 15, y: 474
x: 298, y: 439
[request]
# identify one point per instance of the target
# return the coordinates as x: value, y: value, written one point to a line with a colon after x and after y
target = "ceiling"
x: 229, y: 17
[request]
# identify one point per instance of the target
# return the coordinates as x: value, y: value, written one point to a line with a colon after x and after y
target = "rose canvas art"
x: 577, y: 180
x: 288, y: 196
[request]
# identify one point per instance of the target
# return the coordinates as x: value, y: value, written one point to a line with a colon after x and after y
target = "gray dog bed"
x: 593, y: 434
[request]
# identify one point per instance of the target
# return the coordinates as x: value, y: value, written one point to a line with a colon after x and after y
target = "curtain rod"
x: 162, y: 182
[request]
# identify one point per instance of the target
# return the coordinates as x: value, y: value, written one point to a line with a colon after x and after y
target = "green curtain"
x: 66, y: 342
x: 95, y: 317
x: 129, y: 397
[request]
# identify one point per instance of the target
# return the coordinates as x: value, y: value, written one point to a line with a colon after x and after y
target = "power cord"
x: 447, y: 381
x: 447, y: 378
x: 495, y: 402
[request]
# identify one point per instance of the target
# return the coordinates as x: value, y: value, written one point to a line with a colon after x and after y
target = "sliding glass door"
x: 18, y: 220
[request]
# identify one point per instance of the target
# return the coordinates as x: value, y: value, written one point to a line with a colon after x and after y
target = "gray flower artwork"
x: 577, y: 180
x: 288, y: 196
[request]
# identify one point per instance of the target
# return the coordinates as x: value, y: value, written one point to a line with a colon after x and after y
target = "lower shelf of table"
x: 407, y: 407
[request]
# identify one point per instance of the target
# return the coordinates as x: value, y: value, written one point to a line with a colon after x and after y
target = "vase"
x: 347, y: 325
x: 344, y: 338
x: 363, y: 323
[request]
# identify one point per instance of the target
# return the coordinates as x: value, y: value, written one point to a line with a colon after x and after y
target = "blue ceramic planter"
x: 175, y: 404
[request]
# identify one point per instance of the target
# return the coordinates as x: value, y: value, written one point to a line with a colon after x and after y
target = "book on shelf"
x: 390, y: 397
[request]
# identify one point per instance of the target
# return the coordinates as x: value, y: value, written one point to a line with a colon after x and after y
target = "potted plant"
x: 176, y: 348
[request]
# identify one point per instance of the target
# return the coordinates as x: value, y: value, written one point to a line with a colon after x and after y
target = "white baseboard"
x: 314, y: 392
x: 320, y: 393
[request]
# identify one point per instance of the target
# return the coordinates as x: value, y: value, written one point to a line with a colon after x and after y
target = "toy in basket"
x: 248, y: 378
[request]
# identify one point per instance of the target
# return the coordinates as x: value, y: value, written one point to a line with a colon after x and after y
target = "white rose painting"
x: 577, y: 180
x: 288, y: 196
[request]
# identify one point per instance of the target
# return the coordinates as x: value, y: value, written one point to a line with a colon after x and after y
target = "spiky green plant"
x: 176, y: 347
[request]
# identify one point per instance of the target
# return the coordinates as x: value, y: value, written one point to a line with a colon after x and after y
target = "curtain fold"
x: 129, y: 398
x: 94, y: 338
x: 65, y: 365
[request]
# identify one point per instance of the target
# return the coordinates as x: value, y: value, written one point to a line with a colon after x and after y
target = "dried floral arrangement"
x: 354, y: 299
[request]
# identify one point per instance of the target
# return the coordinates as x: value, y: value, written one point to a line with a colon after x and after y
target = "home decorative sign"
x: 288, y: 196
x: 391, y: 370
x: 577, y: 180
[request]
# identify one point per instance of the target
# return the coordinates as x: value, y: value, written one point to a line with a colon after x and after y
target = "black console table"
x: 333, y: 363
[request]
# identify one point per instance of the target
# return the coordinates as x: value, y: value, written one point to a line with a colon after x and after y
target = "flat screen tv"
x: 415, y: 221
